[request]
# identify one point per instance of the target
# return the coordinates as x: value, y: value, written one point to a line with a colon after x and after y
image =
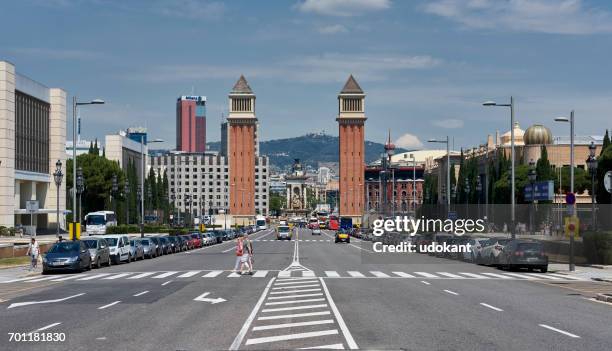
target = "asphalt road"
x: 306, y: 293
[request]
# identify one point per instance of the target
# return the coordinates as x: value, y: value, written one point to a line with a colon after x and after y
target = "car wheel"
x: 129, y: 258
x: 98, y: 262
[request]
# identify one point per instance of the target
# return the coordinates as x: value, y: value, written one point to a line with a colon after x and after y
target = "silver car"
x: 98, y: 250
x: 136, y: 249
x: 149, y: 247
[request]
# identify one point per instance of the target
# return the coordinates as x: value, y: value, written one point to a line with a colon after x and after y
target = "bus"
x: 97, y: 222
x: 332, y: 223
x: 260, y: 223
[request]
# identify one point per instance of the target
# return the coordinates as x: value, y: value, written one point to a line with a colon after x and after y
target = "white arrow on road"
x: 206, y: 299
x: 18, y: 304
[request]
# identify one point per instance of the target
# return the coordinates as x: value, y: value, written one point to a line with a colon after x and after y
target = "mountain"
x: 310, y: 149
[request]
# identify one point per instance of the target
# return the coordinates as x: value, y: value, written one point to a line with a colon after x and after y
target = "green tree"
x: 604, y: 164
x: 277, y: 202
x: 582, y: 180
x: 606, y: 143
x: 544, y: 170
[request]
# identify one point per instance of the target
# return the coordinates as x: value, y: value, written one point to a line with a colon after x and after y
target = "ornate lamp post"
x: 592, y: 165
x: 126, y: 192
x: 57, y: 177
x: 532, y: 175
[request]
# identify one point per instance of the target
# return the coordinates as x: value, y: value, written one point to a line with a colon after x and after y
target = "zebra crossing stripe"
x: 69, y: 277
x: 403, y: 275
x: 324, y: 347
x: 544, y: 276
x: 293, y: 291
x: 356, y: 274
x: 295, y: 315
x: 94, y: 276
x: 293, y: 296
x: 309, y: 274
x: 294, y: 301
x: 188, y: 274
x: 378, y: 274
x: 39, y: 279
x: 450, y: 275
x: 426, y: 275
x: 523, y: 276
x: 291, y: 325
x: 164, y: 275
x: 142, y: 275
x: 260, y: 274
x: 212, y: 274
x: 117, y: 276
x: 291, y: 336
x: 284, y: 274
x: 297, y: 282
x: 495, y: 275
x: 565, y: 276
x: 296, y: 286
x: 474, y: 275
x: 332, y: 274
x: 234, y: 275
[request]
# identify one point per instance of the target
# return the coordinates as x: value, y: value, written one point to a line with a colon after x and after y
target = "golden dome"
x: 537, y: 134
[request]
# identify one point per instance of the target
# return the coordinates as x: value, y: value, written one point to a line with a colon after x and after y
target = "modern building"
x: 124, y: 149
x: 82, y: 147
x: 32, y: 140
x: 323, y: 175
x: 191, y: 123
x: 351, y: 121
x: 138, y: 134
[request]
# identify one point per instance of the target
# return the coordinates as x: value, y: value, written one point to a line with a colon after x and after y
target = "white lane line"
x: 291, y: 279
x: 324, y: 347
x: 230, y: 249
x: 291, y: 337
x: 294, y: 301
x: 164, y: 275
x: 234, y: 275
x: 188, y: 274
x: 68, y: 277
x: 100, y: 275
x: 141, y: 293
x: 260, y: 274
x: 267, y: 310
x: 559, y: 331
x: 46, y: 327
x: 332, y: 274
x: 291, y: 325
x: 308, y: 274
x: 295, y: 315
x: 426, y: 275
x: 212, y: 274
x: 109, y: 305
x: 450, y: 275
x: 39, y: 279
x: 522, y: 276
x: 495, y: 275
x: 426, y: 283
x: 451, y: 292
x: 491, y: 307
x: 22, y: 279
x: 17, y: 304
x: 293, y: 291
x: 117, y: 276
x: 247, y: 324
x: 293, y: 296
x: 474, y: 275
x: 544, y: 276
x: 297, y: 282
x: 142, y: 275
x: 403, y: 275
x: 378, y: 274
x: 563, y: 276
x: 166, y: 283
x: 347, y: 334
x: 356, y: 274
x: 296, y: 286
x: 284, y: 274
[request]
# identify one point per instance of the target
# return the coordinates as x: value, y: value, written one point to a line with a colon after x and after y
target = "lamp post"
x: 479, y: 193
x: 570, y: 208
x: 142, y: 180
x: 76, y: 103
x: 592, y: 165
x: 114, y: 189
x: 126, y: 192
x: 80, y: 187
x: 57, y: 177
x: 532, y: 175
x: 467, y: 196
x: 138, y: 203
x: 513, y: 200
x: 448, y: 189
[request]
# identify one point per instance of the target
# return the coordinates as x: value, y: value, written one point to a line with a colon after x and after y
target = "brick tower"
x: 242, y: 124
x: 351, y: 120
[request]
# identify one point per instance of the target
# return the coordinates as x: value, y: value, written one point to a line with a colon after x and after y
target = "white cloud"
x: 343, y: 7
x: 409, y: 141
x: 543, y: 16
x: 448, y: 123
x: 333, y: 29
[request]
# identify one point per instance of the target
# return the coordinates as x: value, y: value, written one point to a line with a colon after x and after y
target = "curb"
x: 14, y: 266
x: 607, y: 280
x: 604, y: 297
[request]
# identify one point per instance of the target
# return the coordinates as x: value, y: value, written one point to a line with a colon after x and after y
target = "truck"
x: 346, y: 224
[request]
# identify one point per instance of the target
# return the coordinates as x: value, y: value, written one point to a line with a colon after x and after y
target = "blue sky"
x: 425, y: 65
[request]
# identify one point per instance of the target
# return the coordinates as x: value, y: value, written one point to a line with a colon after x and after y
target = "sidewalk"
x: 18, y: 272
x: 593, y: 272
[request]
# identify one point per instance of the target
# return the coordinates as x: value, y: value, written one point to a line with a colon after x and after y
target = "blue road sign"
x: 543, y: 191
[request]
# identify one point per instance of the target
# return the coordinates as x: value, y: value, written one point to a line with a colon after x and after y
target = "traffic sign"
x: 572, y: 226
x: 32, y: 206
x: 542, y: 191
x: 608, y: 181
x: 570, y: 198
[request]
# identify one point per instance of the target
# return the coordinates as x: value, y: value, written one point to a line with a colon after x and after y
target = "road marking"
x: 378, y: 274
x: 101, y: 338
x: 188, y: 274
x: 451, y: 292
x: 39, y: 279
x: 293, y: 291
x: 544, y: 276
x: 230, y: 249
x: 495, y: 275
x: 164, y: 275
x: 356, y: 274
x: 295, y: 286
x: 260, y: 274
x: 426, y: 275
x: 324, y: 347
x: 347, y: 334
x: 332, y: 274
x: 306, y: 281
x: 212, y: 274
x: 283, y: 274
x: 403, y: 275
x: 491, y: 307
x: 295, y: 315
x: 109, y: 305
x: 426, y: 283
x: 245, y: 327
x: 203, y: 298
x: 68, y: 277
x: 308, y: 274
x: 21, y: 279
x: 291, y: 337
x: 142, y: 275
x: 523, y: 276
x: 293, y: 296
x: 166, y: 283
x: 291, y: 325
x: 293, y: 308
x: 234, y: 275
x: 18, y: 304
x: 559, y: 331
x: 294, y: 301
x: 291, y: 279
x: 563, y: 276
x: 117, y: 276
x: 141, y: 293
x: 450, y: 275
x: 45, y: 327
x: 474, y: 275
x: 94, y: 276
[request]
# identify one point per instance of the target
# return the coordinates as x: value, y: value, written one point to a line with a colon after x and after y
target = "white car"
x: 316, y: 231
x: 119, y: 246
x: 491, y: 250
x: 208, y: 239
x: 476, y: 245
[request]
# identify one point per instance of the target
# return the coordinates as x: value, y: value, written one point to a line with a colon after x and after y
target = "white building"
x: 324, y: 175
x: 120, y: 148
x: 32, y: 140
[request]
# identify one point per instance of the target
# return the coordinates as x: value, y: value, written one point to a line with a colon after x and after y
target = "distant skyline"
x: 426, y: 66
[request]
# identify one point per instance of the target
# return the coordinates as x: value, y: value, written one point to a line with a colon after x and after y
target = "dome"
x: 537, y: 134
x: 518, y: 136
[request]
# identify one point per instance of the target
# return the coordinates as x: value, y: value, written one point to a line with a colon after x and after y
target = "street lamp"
x: 126, y: 191
x: 448, y: 189
x: 592, y: 165
x: 513, y: 200
x: 75, y: 103
x: 80, y: 187
x: 479, y: 193
x: 57, y: 177
x: 570, y: 208
x: 114, y: 189
x: 532, y: 175
x: 142, y: 180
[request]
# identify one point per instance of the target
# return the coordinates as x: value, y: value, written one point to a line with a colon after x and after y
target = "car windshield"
x: 111, y: 241
x: 529, y: 247
x: 283, y: 229
x: 261, y: 222
x: 64, y: 247
x: 91, y: 244
x: 195, y: 236
x: 132, y: 242
x: 145, y: 242
x: 96, y: 220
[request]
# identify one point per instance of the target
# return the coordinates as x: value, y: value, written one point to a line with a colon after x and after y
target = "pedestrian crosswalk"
x: 295, y: 272
x: 300, y: 240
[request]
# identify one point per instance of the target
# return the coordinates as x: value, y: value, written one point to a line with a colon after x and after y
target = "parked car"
x: 218, y: 234
x: 475, y: 249
x: 440, y: 238
x: 316, y: 231
x: 491, y: 250
x: 67, y: 256
x: 208, y: 239
x: 166, y: 245
x: 156, y: 245
x: 183, y: 243
x: 149, y: 248
x: 98, y: 250
x: 519, y: 254
x: 283, y: 232
x: 197, y: 240
x: 175, y: 244
x: 119, y: 248
x: 136, y: 250
x: 190, y: 241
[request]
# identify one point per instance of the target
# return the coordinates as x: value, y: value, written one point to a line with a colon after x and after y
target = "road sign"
x: 570, y: 198
x: 572, y: 226
x: 608, y: 181
x: 543, y: 191
x: 32, y: 206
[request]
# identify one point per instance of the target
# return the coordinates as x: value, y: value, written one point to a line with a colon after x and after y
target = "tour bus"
x: 260, y: 222
x: 97, y: 222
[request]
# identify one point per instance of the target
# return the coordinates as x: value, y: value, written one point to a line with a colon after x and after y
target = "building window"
x: 31, y: 134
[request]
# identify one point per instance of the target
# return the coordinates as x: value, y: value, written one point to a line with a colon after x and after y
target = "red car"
x: 196, y: 240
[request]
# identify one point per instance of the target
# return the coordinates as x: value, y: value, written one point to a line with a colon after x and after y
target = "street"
x: 305, y: 293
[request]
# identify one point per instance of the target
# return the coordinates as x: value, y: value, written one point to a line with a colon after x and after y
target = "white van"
x: 97, y: 222
x: 119, y: 246
x: 260, y: 223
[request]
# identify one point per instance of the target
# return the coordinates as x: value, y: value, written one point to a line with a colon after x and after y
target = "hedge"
x: 598, y: 247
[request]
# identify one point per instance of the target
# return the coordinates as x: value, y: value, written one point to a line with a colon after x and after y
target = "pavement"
x: 306, y: 293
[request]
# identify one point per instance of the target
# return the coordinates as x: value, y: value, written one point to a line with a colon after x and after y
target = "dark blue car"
x: 67, y: 256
